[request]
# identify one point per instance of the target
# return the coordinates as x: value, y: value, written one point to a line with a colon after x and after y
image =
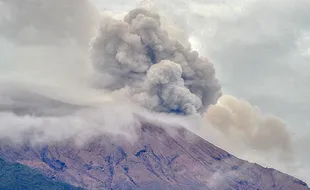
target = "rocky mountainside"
x: 160, y: 160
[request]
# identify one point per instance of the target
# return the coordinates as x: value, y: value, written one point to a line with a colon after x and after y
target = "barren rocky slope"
x: 160, y: 159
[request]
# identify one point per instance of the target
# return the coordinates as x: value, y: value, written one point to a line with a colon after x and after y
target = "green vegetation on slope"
x: 20, y: 177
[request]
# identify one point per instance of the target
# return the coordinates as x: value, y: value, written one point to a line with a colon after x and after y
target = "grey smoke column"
x: 136, y: 57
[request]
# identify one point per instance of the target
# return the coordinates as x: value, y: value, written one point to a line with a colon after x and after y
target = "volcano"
x: 160, y: 159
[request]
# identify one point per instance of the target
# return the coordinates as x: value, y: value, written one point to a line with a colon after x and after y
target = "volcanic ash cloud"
x: 239, y: 119
x: 136, y: 57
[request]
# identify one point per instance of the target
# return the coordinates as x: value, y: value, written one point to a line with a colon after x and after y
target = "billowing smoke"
x: 138, y: 58
x: 238, y: 119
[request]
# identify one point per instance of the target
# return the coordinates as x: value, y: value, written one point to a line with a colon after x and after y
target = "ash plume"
x: 136, y: 57
x: 238, y: 119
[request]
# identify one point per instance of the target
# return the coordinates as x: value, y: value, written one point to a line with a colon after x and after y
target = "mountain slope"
x: 159, y: 159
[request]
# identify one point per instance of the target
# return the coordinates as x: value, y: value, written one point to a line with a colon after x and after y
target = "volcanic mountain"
x: 160, y: 159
